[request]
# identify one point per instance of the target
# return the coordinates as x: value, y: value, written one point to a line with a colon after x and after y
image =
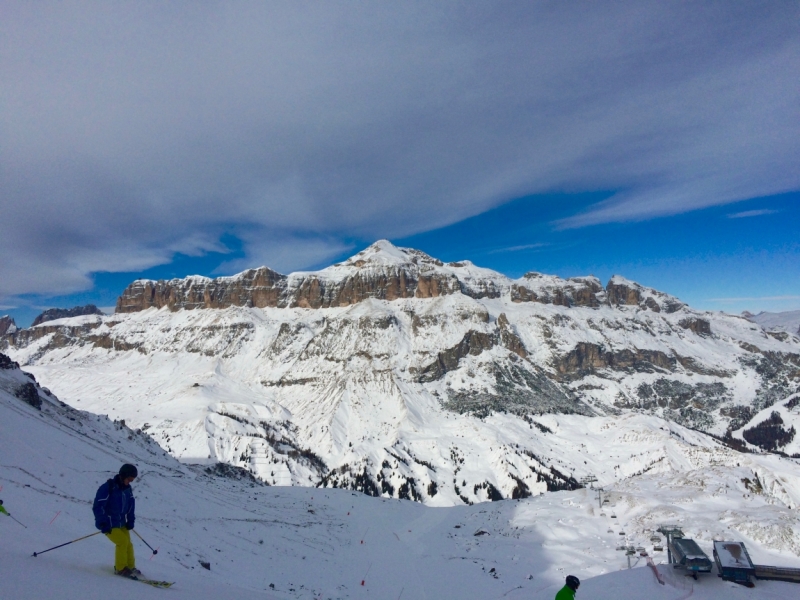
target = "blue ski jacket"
x: 114, y: 506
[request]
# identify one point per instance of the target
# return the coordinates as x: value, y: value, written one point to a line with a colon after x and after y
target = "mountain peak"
x: 384, y: 253
x: 7, y: 325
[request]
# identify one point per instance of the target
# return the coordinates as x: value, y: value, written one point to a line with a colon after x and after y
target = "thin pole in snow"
x: 25, y: 526
x: 365, y: 574
x: 67, y: 543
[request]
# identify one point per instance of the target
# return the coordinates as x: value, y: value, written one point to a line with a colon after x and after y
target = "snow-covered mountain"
x: 303, y: 543
x: 398, y: 375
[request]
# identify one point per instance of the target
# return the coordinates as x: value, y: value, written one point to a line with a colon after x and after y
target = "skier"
x: 114, y: 515
x: 568, y: 591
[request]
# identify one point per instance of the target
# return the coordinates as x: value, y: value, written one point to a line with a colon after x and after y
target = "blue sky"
x: 743, y: 256
x: 733, y: 258
x: 156, y: 140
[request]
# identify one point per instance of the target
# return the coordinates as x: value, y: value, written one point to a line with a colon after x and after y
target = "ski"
x: 154, y: 583
x: 151, y: 582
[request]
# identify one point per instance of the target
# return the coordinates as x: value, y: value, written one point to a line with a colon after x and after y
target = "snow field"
x: 304, y: 542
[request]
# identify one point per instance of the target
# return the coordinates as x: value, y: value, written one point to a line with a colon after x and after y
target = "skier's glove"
x: 129, y: 526
x: 105, y: 529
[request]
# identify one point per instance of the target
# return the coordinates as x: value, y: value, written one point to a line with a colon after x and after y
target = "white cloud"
x: 752, y: 213
x: 518, y: 248
x: 131, y: 133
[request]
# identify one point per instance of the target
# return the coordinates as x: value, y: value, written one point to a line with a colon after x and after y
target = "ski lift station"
x: 684, y: 552
x: 733, y: 562
x: 731, y: 558
x: 687, y: 554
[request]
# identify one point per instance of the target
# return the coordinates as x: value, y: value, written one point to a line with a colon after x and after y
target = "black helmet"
x: 573, y: 583
x: 126, y: 471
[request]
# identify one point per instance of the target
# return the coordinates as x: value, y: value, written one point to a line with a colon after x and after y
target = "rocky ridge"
x: 53, y: 314
x: 382, y: 272
x: 7, y: 325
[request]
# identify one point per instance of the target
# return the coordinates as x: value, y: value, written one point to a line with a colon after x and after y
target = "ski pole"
x: 68, y: 543
x: 145, y: 543
x: 9, y: 514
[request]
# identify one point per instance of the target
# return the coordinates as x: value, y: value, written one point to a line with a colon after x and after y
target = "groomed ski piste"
x: 295, y: 542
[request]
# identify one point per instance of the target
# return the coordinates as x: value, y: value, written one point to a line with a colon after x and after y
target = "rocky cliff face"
x: 546, y: 289
x: 363, y: 374
x: 373, y: 273
x: 256, y: 287
x: 384, y: 272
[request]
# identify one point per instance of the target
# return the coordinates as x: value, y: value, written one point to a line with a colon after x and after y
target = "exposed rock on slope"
x: 547, y: 289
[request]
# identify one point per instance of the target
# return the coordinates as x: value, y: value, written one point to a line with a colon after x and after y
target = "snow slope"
x: 322, y: 543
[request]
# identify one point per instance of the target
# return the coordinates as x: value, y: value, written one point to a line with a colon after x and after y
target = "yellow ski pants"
x: 123, y: 556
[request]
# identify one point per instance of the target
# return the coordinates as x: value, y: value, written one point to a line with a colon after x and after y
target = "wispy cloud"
x: 752, y: 213
x: 283, y: 253
x: 381, y: 122
x: 7, y: 307
x: 518, y: 248
x: 755, y: 299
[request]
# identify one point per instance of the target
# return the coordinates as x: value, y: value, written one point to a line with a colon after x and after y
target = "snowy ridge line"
x: 382, y: 271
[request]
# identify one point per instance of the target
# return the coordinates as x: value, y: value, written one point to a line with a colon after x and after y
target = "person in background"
x: 114, y: 514
x: 568, y: 591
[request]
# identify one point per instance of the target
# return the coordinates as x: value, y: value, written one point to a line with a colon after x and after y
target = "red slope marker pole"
x: 54, y: 518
